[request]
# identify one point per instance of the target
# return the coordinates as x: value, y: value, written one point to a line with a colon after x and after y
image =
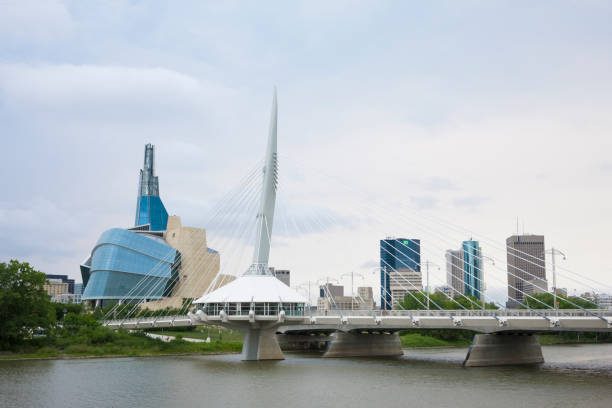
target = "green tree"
x: 418, y: 301
x: 542, y: 300
x: 24, y: 304
x: 62, y: 308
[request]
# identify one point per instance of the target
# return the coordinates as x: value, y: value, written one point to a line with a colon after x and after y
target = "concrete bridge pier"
x: 261, y: 344
x: 504, y: 349
x: 364, y: 345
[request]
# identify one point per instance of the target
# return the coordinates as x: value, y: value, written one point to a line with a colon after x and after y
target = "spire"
x: 149, y: 184
x: 149, y: 208
x: 265, y: 216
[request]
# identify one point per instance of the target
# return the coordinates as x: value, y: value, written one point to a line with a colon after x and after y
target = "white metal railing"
x: 405, y: 313
x: 472, y: 313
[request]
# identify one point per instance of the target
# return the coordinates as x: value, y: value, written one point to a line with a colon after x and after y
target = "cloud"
x: 33, y: 22
x: 370, y: 264
x: 470, y: 202
x: 424, y: 202
x: 107, y: 94
x: 438, y: 184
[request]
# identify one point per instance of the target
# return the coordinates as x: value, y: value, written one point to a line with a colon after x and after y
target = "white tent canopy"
x: 254, y: 288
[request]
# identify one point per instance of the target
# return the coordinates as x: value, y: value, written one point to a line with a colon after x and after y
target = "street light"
x: 427, y: 263
x: 553, y: 252
x: 483, y: 285
x: 352, y: 292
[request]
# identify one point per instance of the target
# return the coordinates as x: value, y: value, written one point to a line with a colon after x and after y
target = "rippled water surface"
x: 572, y: 376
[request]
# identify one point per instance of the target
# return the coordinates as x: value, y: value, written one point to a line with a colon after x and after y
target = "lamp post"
x: 553, y: 252
x: 483, y: 285
x: 352, y: 287
x: 428, y: 263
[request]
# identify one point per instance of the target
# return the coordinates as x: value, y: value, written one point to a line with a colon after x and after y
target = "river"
x: 572, y: 376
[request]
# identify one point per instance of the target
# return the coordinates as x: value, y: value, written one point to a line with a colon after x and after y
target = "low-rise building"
x: 403, y: 281
x: 283, y: 275
x: 604, y: 301
x: 55, y: 288
x: 364, y: 300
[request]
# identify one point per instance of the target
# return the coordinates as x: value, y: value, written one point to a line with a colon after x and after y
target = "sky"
x: 475, y: 113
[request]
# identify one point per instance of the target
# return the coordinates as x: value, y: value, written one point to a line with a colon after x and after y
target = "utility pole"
x: 553, y: 252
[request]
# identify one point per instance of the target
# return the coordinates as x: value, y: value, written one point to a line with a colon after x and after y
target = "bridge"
x: 269, y: 312
x: 372, y: 332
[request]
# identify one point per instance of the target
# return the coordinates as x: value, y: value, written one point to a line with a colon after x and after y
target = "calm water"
x: 573, y: 376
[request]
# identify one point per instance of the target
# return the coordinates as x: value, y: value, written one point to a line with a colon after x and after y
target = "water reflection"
x: 574, y: 376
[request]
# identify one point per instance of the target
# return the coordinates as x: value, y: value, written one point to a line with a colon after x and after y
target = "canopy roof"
x: 254, y: 288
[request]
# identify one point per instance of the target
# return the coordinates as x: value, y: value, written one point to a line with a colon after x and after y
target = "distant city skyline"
x: 451, y: 110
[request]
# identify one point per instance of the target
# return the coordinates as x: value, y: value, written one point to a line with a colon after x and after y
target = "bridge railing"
x: 414, y: 313
x: 470, y: 313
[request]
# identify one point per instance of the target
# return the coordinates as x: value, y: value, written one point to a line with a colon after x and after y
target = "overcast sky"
x: 475, y: 112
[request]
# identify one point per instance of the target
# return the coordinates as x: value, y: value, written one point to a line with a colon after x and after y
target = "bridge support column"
x: 261, y: 344
x: 504, y: 349
x: 364, y: 345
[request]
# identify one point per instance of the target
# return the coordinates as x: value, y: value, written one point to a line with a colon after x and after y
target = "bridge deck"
x: 478, y: 320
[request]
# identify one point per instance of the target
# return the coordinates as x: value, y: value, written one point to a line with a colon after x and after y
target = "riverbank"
x: 155, y: 348
x: 418, y: 340
x: 411, y: 340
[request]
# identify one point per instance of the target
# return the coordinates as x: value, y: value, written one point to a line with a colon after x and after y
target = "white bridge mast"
x: 265, y: 216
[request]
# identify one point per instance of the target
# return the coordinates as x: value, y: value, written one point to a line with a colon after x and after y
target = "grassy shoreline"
x: 34, y: 356
x: 179, y: 347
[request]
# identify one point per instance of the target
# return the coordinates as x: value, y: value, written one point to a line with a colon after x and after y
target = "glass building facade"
x: 472, y: 268
x: 129, y: 265
x: 149, y: 208
x: 396, y: 253
x: 151, y: 211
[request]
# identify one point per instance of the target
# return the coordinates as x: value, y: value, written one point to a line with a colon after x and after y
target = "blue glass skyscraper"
x: 149, y: 208
x: 472, y: 268
x: 396, y: 253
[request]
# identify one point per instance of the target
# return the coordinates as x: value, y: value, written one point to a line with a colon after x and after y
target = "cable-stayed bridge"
x: 262, y: 307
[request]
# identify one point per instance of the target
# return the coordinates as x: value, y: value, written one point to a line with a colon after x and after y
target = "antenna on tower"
x: 517, y: 226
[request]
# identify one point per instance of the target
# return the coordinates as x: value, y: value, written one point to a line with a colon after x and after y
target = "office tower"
x: 454, y: 271
x: 472, y: 268
x: 526, y: 267
x: 400, y: 270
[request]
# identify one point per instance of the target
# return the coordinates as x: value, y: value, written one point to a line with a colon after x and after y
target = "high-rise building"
x: 526, y: 267
x: 454, y: 271
x: 283, y: 275
x: 472, y: 268
x: 464, y: 269
x: 400, y: 269
x: 78, y: 288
